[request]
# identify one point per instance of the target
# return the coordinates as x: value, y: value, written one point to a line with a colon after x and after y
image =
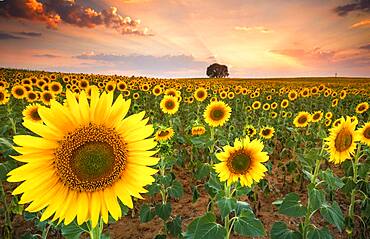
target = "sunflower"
x: 83, y: 84
x: 328, y: 115
x: 223, y: 95
x: 230, y: 95
x: 317, y: 116
x: 88, y: 155
x: 46, y: 97
x: 122, y: 86
x: 198, y: 130
x: 157, y: 90
x: 267, y: 132
x: 164, y: 134
x: 284, y: 103
x: 172, y: 92
x: 362, y: 107
x: 334, y: 102
x: 292, y: 95
x: 274, y: 105
x: 327, y: 122
x: 302, y: 119
x: 266, y: 106
x: 110, y: 86
x: 341, y: 141
x: 242, y: 162
x: 364, y: 134
x: 217, y: 113
x: 31, y: 96
x: 31, y: 113
x: 169, y: 104
x: 136, y: 96
x: 200, y: 94
x: 250, y: 130
x: 273, y: 114
x: 256, y: 105
x: 18, y: 91
x: 55, y: 87
x: 4, y: 97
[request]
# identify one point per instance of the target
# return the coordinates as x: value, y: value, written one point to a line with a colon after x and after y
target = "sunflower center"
x: 240, y: 163
x: 367, y: 133
x: 170, y: 104
x: 19, y: 92
x: 217, y: 114
x: 266, y: 132
x: 316, y: 116
x: 2, y: 96
x: 47, y: 96
x: 302, y: 119
x: 163, y: 133
x: 55, y: 88
x: 343, y: 140
x: 361, y: 108
x: 200, y: 94
x: 35, y: 115
x: 91, y: 158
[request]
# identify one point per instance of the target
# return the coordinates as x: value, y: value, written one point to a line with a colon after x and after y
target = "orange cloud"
x: 361, y: 23
x: 260, y: 29
x: 53, y: 12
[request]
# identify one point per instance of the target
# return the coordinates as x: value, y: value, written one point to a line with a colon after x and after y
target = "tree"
x: 217, y: 71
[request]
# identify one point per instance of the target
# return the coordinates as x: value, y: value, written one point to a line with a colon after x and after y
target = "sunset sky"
x: 180, y: 38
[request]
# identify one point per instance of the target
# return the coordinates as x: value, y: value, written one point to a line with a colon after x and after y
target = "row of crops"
x: 79, y: 152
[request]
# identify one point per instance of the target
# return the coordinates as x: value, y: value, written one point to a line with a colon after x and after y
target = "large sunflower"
x: 341, y: 141
x: 217, y: 113
x: 88, y: 155
x: 243, y: 162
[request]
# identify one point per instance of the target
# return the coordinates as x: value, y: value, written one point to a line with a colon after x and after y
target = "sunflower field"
x: 96, y: 156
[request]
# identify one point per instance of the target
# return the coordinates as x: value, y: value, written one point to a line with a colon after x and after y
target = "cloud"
x: 319, y: 58
x: 29, y: 34
x: 365, y: 47
x: 146, y: 62
x: 54, y: 12
x: 46, y: 56
x: 357, y: 5
x: 259, y: 29
x: 361, y: 23
x: 7, y: 36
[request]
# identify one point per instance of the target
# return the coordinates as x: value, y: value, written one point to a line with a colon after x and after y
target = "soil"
x: 129, y: 227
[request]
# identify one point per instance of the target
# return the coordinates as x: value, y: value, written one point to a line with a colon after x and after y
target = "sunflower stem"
x: 351, y: 210
x: 96, y: 232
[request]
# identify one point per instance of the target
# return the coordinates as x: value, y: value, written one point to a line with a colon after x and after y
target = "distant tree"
x: 217, y: 71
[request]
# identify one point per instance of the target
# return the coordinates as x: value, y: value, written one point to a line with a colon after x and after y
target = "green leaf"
x: 226, y: 205
x: 6, y: 167
x: 202, y: 171
x: 333, y: 214
x: 291, y: 206
x: 174, y: 226
x: 316, y: 233
x: 205, y: 227
x: 153, y: 189
x: 163, y: 210
x: 332, y: 182
x: 176, y: 190
x: 72, y: 231
x: 241, y: 206
x: 248, y: 225
x: 316, y: 197
x: 146, y: 213
x: 280, y: 231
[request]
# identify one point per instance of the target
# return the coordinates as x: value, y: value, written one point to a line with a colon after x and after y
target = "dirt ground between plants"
x: 129, y: 227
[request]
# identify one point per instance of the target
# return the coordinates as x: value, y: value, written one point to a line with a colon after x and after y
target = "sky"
x: 180, y: 38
